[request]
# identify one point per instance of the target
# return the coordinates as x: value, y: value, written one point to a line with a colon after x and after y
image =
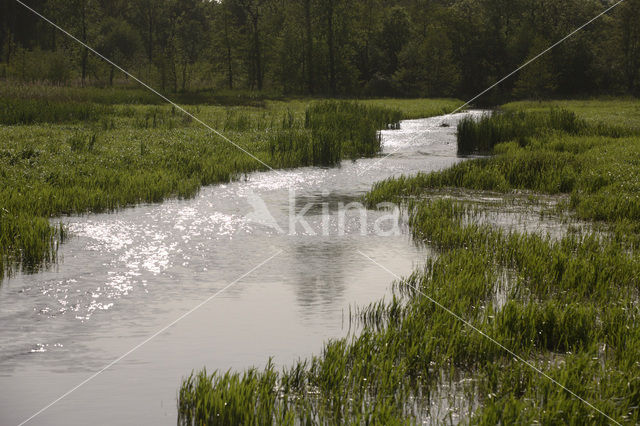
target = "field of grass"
x: 417, y: 108
x: 614, y: 112
x: 71, y: 151
x: 568, y: 306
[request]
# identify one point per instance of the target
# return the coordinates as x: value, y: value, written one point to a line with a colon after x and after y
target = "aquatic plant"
x: 569, y: 307
x: 76, y: 156
x: 482, y: 135
x: 568, y: 297
x: 599, y: 172
x: 28, y: 111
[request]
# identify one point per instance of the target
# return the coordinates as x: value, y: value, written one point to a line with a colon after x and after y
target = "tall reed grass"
x: 26, y: 111
x: 331, y: 131
x: 597, y: 167
x: 480, y: 136
x: 60, y: 158
x: 130, y: 95
x: 570, y: 308
x: 568, y: 298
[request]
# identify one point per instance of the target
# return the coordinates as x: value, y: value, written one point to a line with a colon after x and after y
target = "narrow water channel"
x: 126, y: 275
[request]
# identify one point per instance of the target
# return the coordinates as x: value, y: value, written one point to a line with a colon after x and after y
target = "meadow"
x: 70, y: 151
x: 566, y: 305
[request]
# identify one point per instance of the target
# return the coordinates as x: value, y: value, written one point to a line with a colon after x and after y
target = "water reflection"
x: 126, y: 275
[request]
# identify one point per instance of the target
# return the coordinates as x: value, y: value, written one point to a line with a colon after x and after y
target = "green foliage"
x: 567, y: 299
x: 231, y: 399
x: 331, y: 131
x: 537, y: 80
x: 26, y: 111
x: 568, y: 306
x: 427, y: 67
x: 53, y: 67
x: 481, y: 136
x: 599, y: 171
x: 93, y: 157
x: 623, y: 113
x: 356, y: 48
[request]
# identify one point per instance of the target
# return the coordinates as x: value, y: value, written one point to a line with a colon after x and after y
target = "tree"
x: 191, y: 31
x: 253, y: 10
x: 338, y: 47
x: 120, y: 43
x: 630, y: 20
x: 396, y: 31
x: 228, y: 38
x: 427, y: 67
x: 146, y: 18
x: 308, y: 46
x: 538, y: 79
x: 80, y: 17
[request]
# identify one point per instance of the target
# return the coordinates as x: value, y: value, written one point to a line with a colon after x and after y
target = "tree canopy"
x: 416, y: 48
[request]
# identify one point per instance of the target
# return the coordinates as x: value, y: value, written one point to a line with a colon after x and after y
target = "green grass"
x: 614, y: 112
x: 28, y: 111
x: 568, y: 300
x: 480, y: 136
x: 569, y: 307
x: 69, y: 151
x: 582, y: 159
x: 133, y: 95
x: 417, y: 108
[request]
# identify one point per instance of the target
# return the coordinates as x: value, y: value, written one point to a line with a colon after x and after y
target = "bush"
x: 40, y: 66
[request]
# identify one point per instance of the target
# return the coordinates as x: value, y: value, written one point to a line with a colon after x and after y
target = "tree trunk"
x: 309, y: 43
x: 174, y: 75
x: 83, y: 29
x: 257, y: 55
x: 227, y: 42
x: 11, y: 30
x: 229, y: 67
x: 163, y: 74
x: 631, y: 44
x: 330, y: 45
x: 83, y: 65
x: 149, y: 42
x: 184, y: 76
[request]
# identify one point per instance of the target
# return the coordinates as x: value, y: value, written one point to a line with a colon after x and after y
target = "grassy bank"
x: 593, y: 162
x: 70, y: 151
x: 614, y: 112
x: 568, y: 306
x: 480, y: 136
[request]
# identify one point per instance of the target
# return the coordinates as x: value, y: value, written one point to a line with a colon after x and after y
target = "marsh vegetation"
x: 72, y: 153
x: 569, y: 305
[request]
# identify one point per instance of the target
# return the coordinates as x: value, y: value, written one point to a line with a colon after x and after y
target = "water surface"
x: 126, y: 275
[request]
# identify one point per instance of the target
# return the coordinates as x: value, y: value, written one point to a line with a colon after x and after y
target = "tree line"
x: 417, y: 48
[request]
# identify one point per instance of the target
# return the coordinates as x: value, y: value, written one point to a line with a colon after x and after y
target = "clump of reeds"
x: 571, y: 308
x: 333, y: 131
x: 482, y: 135
x: 29, y: 111
x: 107, y: 157
x: 563, y: 304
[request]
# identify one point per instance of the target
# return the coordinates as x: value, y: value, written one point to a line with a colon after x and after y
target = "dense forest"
x: 417, y: 48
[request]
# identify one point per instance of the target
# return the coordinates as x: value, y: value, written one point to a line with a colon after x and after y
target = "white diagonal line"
x: 148, y: 339
x: 571, y: 34
x: 565, y: 38
x: 378, y: 161
x: 482, y: 333
x: 146, y: 85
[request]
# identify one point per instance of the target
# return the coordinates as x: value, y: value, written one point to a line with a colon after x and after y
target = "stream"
x: 124, y: 276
